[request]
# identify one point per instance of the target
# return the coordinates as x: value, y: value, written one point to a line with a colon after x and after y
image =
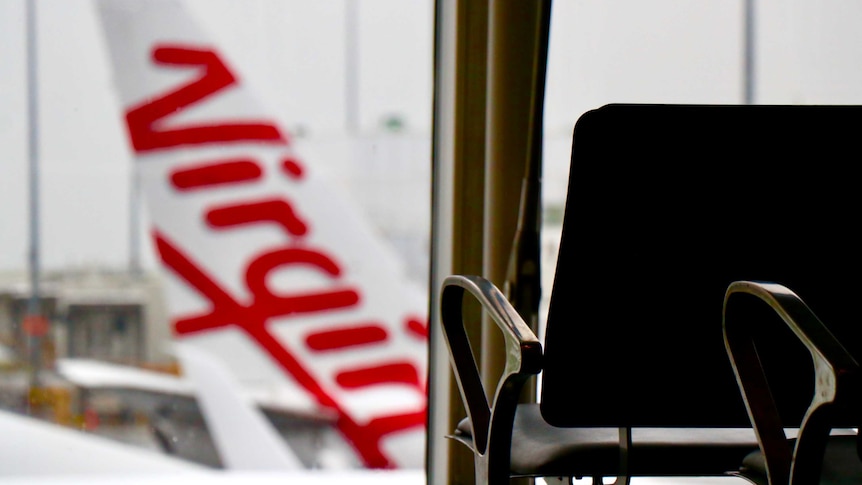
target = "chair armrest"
x: 523, y: 359
x: 836, y: 376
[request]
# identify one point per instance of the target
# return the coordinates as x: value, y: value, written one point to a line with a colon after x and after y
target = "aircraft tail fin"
x: 267, y: 265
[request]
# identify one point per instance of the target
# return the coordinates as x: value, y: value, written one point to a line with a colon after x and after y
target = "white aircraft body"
x: 38, y: 452
x: 32, y: 448
x: 268, y: 266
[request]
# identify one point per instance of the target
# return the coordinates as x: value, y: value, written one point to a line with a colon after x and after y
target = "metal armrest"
x: 836, y: 380
x: 491, y: 424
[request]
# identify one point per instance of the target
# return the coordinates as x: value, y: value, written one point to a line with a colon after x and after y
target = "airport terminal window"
x: 249, y: 161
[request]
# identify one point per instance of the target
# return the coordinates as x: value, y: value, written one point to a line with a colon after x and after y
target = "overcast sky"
x: 294, y: 50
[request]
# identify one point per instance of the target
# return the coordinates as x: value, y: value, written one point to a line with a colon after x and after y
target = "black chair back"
x: 666, y: 206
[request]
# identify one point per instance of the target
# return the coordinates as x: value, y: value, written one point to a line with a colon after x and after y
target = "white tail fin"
x: 267, y: 265
x: 244, y: 438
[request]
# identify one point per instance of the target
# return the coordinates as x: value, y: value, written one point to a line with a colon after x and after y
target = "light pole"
x: 35, y: 325
x: 748, y: 67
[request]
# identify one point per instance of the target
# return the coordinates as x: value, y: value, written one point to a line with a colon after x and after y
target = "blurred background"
x: 353, y: 81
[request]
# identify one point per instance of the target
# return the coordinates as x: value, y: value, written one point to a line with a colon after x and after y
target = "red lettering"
x: 252, y: 319
x: 372, y: 433
x: 253, y: 316
x: 399, y: 372
x: 220, y: 173
x: 417, y: 328
x: 306, y: 303
x: 143, y: 120
x: 274, y: 210
x: 292, y: 168
x: 345, y: 337
x: 225, y: 310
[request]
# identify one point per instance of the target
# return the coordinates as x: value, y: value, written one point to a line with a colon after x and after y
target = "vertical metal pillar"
x: 489, y: 89
x: 749, y: 54
x: 460, y: 84
x: 517, y: 55
x: 35, y: 324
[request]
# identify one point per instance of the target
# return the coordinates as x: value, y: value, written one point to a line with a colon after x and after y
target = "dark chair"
x: 667, y: 205
x: 822, y: 451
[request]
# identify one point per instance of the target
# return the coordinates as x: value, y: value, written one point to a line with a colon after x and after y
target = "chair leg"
x: 621, y: 480
x: 558, y: 480
x: 625, y: 445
